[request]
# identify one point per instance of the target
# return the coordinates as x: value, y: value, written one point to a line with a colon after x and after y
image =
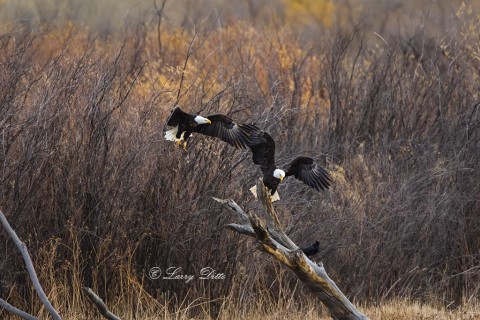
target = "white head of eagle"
x: 279, y: 174
x: 202, y: 120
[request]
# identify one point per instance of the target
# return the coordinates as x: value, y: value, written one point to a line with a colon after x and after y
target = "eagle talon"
x: 184, y: 146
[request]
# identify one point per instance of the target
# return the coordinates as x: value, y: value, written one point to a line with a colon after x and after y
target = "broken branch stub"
x: 99, y: 304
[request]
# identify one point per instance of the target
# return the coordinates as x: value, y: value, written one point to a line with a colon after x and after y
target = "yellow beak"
x: 281, y: 178
x: 209, y: 122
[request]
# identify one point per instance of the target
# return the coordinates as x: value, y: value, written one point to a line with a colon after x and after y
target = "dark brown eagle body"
x: 311, y: 249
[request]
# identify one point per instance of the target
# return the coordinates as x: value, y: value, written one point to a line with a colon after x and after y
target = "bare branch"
x: 31, y: 270
x: 273, y: 240
x: 99, y: 304
x: 159, y: 12
x: 190, y: 51
x: 234, y: 207
x: 242, y: 229
x: 273, y: 224
x: 7, y: 306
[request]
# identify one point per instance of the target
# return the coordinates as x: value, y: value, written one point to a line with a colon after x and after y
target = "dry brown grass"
x: 391, y: 310
x: 409, y: 310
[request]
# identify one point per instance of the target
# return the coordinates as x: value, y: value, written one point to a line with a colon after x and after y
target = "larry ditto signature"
x: 175, y: 273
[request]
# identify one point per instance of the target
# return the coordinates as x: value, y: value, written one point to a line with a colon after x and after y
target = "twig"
x: 31, y: 270
x: 159, y: 24
x: 190, y: 51
x: 98, y: 302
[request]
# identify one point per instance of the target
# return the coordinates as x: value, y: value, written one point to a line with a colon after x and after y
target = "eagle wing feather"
x: 310, y: 173
x: 176, y: 116
x: 224, y: 128
x: 263, y: 152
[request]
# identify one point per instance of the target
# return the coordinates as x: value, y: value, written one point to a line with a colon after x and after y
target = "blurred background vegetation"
x: 108, y: 16
x: 385, y: 94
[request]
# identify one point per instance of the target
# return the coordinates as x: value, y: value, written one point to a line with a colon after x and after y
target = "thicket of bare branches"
x: 99, y: 197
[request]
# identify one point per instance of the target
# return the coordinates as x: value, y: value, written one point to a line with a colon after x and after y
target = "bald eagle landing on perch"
x: 302, y: 168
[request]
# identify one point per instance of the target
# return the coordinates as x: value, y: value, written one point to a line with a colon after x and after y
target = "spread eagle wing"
x: 238, y: 135
x: 176, y: 116
x: 263, y: 151
x: 307, y: 171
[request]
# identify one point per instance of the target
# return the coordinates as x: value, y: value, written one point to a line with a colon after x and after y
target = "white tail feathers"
x: 171, y: 135
x: 254, y: 191
x: 275, y: 197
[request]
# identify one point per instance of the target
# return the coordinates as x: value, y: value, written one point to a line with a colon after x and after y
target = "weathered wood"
x: 31, y: 270
x: 7, y: 306
x: 273, y: 240
x: 99, y: 304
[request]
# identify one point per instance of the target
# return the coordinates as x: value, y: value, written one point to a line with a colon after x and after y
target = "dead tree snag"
x: 273, y: 240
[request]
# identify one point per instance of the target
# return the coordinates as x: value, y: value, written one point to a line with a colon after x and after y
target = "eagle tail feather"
x: 254, y: 191
x: 171, y: 135
x: 274, y: 198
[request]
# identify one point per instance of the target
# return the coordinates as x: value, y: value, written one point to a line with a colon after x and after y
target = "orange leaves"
x: 272, y: 62
x: 303, y: 12
x: 469, y: 31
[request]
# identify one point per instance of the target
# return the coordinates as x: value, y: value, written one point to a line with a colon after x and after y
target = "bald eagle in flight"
x: 217, y: 125
x: 302, y: 168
